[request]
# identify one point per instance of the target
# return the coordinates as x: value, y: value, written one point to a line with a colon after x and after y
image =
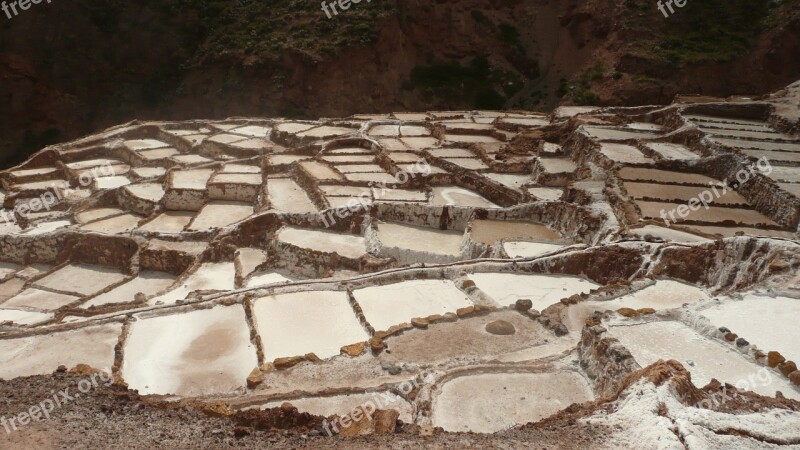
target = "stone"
x: 787, y: 367
x: 391, y: 368
x: 376, y: 345
x: 742, y: 342
x: 312, y: 357
x: 465, y: 312
x: 450, y: 317
x: 385, y: 421
x: 286, y: 363
x: 255, y: 378
x: 561, y: 330
x: 500, y: 328
x: 774, y: 358
x: 467, y: 284
x: 794, y: 377
x: 533, y: 313
x: 628, y: 312
x: 523, y: 305
x: 83, y: 370
x: 419, y: 322
x: 354, y: 349
x: 730, y: 337
x: 646, y: 311
x: 724, y: 330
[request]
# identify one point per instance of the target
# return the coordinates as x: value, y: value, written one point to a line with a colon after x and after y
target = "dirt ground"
x: 112, y: 418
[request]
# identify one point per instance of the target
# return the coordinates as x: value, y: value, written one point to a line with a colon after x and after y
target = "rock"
x: 240, y: 432
x: 255, y: 378
x: 777, y: 265
x: 312, y: 357
x: 140, y: 297
x: 426, y: 430
x: 787, y: 367
x: 419, y: 322
x: 466, y: 284
x: 742, y: 342
x: 774, y: 358
x: 730, y: 337
x: 376, y: 344
x: 523, y: 305
x: 533, y: 313
x: 83, y: 370
x: 646, y: 311
x: 354, y: 349
x: 794, y: 377
x: 628, y: 312
x: 450, y: 317
x: 285, y: 363
x: 465, y: 312
x: 500, y: 328
x: 385, y: 421
x: 724, y: 330
x: 391, y: 368
x: 61, y: 369
x: 561, y: 330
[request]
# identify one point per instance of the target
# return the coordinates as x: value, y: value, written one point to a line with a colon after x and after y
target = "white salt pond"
x: 21, y: 317
x: 346, y: 245
x: 457, y: 196
x: 81, y: 278
x: 209, y: 276
x: 169, y: 222
x: 220, y: 214
x: 265, y: 278
x: 148, y: 283
x: 542, y: 290
x: 39, y: 299
x: 393, y: 304
x: 42, y: 354
x: 772, y: 328
x: 200, y: 352
x: 319, y: 322
x: 473, y: 402
x: 703, y: 357
x: 286, y: 195
x: 664, y: 294
x: 407, y: 242
x: 522, y: 249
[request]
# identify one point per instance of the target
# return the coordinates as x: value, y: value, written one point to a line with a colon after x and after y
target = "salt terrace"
x: 519, y: 260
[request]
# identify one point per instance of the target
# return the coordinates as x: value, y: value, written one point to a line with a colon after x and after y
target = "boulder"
x: 787, y: 367
x: 500, y: 328
x: 794, y: 377
x: 255, y: 378
x: 523, y: 305
x: 376, y: 345
x: 774, y: 358
x: 465, y: 312
x: 561, y: 330
x: 628, y: 312
x: 285, y: 363
x: 354, y: 349
x: 419, y: 322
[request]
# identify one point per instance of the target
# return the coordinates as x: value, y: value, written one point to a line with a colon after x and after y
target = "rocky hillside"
x: 70, y: 68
